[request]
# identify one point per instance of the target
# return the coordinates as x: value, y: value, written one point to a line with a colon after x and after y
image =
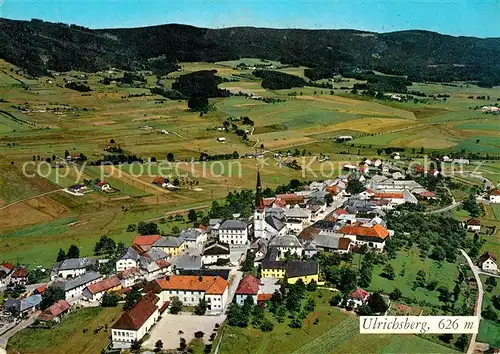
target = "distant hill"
x: 38, y: 46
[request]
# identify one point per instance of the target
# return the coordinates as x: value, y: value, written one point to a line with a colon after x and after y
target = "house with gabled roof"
x: 95, y: 291
x: 494, y: 196
x: 374, y: 236
x: 135, y: 322
x: 143, y: 243
x: 488, y: 262
x: 233, y: 232
x: 55, y: 312
x: 173, y: 246
x: 190, y: 289
x: 194, y: 238
x: 74, y: 287
x: 358, y: 297
x: 248, y: 287
x: 20, y: 307
x: 286, y: 244
x: 307, y: 271
x: 72, y: 267
x: 129, y: 259
x: 473, y: 224
x: 215, y: 253
x: 19, y: 276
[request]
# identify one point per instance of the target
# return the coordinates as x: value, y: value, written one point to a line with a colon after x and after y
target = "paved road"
x: 479, y: 304
x: 20, y: 326
x: 449, y: 207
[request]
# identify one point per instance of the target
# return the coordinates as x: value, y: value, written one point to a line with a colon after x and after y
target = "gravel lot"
x: 167, y: 329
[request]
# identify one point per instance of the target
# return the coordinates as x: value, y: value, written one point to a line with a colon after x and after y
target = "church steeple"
x: 259, y: 201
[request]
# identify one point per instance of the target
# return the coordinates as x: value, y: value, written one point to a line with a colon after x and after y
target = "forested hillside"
x: 38, y: 46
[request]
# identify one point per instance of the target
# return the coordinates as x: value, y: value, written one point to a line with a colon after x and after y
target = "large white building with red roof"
x: 374, y: 236
x: 190, y: 289
x: 136, y: 322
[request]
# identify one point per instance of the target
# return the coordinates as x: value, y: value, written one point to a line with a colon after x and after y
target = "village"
x: 177, y: 288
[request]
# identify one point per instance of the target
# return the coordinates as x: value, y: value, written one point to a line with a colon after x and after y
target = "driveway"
x: 19, y: 327
x: 479, y: 303
x: 167, y: 329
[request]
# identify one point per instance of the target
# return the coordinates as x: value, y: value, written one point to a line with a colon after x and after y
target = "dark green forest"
x: 38, y: 46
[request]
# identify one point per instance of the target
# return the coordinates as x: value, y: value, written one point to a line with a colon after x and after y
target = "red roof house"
x: 359, y: 294
x: 134, y: 318
x: 144, y: 243
x: 249, y: 285
x: 53, y: 312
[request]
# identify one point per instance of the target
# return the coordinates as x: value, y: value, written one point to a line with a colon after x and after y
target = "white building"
x: 129, y: 260
x: 135, y: 323
x: 494, y: 196
x: 193, y: 238
x: 297, y: 219
x: 287, y: 244
x: 73, y: 267
x: 74, y: 287
x: 190, y: 289
x: 373, y: 236
x: 473, y: 225
x: 233, y: 232
x: 248, y: 287
x: 487, y: 262
x: 95, y: 291
x: 216, y: 252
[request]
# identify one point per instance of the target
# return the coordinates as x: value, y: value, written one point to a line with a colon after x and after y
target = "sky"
x: 480, y: 18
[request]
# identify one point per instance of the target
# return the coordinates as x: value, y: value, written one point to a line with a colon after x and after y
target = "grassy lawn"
x: 68, y: 336
x: 335, y: 333
x: 444, y: 273
x: 488, y: 330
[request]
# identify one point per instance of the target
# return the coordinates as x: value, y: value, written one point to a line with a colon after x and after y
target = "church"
x: 267, y: 221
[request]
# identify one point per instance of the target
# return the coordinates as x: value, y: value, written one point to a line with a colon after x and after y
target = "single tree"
x: 176, y: 305
x: 73, y: 252
x: 395, y: 294
x: 201, y: 308
x: 51, y: 295
x: 192, y: 215
x: 61, y: 255
x: 376, y: 303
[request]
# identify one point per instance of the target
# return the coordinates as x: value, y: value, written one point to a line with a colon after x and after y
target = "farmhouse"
x: 55, y: 312
x: 74, y: 287
x: 130, y: 259
x: 21, y: 307
x: 72, y: 267
x: 358, y: 297
x: 95, y: 291
x: 190, y: 289
x: 332, y: 243
x: 221, y: 140
x: 19, y: 276
x: 487, y: 262
x: 143, y: 243
x: 248, y: 287
x: 473, y: 224
x: 136, y: 322
x: 372, y: 236
x: 494, y: 196
x: 129, y: 277
x: 5, y: 272
x: 215, y: 253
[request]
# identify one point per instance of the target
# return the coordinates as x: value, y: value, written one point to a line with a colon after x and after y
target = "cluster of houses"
x: 283, y: 235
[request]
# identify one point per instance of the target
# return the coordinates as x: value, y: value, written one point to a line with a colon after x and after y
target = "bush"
x: 266, y: 326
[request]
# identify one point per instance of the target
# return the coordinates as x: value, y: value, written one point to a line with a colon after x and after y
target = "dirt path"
x: 181, y: 211
x: 134, y: 181
x: 29, y: 198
